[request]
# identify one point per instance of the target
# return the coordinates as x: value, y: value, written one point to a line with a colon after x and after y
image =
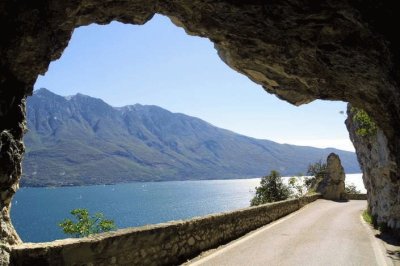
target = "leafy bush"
x: 371, y: 219
x: 317, y: 169
x: 317, y: 172
x: 367, y: 217
x: 298, y: 185
x: 86, y: 224
x: 351, y: 189
x: 365, y: 126
x: 271, y: 189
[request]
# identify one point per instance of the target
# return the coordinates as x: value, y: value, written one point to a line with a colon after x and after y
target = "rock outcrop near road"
x: 379, y: 173
x: 332, y: 186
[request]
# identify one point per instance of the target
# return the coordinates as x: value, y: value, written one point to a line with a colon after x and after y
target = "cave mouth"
x: 149, y: 72
x: 193, y: 96
x: 340, y: 51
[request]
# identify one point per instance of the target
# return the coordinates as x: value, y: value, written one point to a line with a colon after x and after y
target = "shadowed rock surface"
x: 299, y: 50
x: 332, y: 186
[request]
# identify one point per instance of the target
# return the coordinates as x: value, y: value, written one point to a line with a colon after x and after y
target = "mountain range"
x: 81, y: 140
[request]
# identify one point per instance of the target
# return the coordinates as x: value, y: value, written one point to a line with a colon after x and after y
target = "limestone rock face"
x: 380, y: 174
x: 12, y: 127
x: 332, y: 187
x: 299, y: 50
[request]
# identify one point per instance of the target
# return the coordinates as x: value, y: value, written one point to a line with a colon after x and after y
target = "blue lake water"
x: 36, y: 212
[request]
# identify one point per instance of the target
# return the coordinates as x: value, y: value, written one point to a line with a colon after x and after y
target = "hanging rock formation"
x: 298, y: 50
x: 379, y: 172
x: 332, y: 185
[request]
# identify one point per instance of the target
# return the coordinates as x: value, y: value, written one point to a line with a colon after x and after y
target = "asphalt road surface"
x: 322, y: 233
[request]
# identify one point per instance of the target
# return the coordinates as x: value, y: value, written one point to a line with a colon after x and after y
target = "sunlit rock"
x: 332, y: 186
x: 380, y: 175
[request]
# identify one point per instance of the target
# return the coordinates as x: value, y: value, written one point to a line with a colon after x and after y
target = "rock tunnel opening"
x: 298, y: 51
x: 94, y: 65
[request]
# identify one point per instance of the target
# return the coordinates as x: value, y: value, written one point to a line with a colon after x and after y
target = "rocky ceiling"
x: 298, y: 50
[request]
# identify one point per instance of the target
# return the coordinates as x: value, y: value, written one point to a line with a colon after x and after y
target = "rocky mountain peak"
x: 86, y: 141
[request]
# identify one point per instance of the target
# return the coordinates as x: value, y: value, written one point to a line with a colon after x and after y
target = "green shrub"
x: 317, y: 169
x: 271, y: 189
x: 370, y: 219
x: 365, y: 126
x: 351, y: 189
x: 367, y: 217
x: 316, y: 172
x: 298, y: 185
x: 86, y: 224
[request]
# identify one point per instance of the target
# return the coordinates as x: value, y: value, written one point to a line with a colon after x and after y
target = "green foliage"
x: 372, y: 220
x: 309, y: 181
x: 365, y: 125
x: 352, y: 189
x: 297, y: 184
x: 271, y: 189
x: 317, y: 169
x: 317, y: 172
x: 367, y: 217
x: 383, y: 227
x: 311, y: 191
x: 86, y: 224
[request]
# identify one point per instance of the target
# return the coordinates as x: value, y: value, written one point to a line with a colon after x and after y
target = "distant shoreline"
x: 149, y: 181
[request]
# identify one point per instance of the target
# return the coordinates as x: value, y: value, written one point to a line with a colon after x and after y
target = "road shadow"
x: 341, y: 200
x: 392, y: 244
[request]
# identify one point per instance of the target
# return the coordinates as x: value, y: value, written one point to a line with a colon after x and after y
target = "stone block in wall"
x: 160, y: 244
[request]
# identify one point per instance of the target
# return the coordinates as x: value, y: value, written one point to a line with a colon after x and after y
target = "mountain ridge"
x: 81, y: 140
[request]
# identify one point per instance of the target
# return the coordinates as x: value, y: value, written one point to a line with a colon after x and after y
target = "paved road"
x: 322, y: 233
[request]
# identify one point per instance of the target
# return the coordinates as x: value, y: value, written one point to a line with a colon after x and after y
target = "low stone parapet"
x: 355, y: 196
x: 160, y: 244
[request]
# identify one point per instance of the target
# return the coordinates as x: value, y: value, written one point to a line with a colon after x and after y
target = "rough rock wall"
x: 162, y: 244
x: 299, y: 50
x: 332, y: 185
x: 380, y: 174
x: 12, y: 126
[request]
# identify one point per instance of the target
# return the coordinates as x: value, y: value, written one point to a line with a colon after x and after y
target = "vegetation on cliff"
x: 365, y: 126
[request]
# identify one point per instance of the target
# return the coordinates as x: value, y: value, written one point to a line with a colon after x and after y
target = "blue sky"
x: 158, y: 63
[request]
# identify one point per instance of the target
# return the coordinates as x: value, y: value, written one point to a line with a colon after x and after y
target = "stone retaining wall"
x: 160, y: 244
x: 356, y: 196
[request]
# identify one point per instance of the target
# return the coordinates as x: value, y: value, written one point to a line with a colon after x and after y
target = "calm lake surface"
x: 37, y: 211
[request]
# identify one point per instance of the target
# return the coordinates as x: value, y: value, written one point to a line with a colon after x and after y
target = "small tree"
x: 271, y: 189
x: 86, y: 224
x: 298, y: 185
x: 352, y: 189
x: 317, y: 171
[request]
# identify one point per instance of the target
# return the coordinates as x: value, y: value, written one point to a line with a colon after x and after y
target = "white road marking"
x: 378, y: 248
